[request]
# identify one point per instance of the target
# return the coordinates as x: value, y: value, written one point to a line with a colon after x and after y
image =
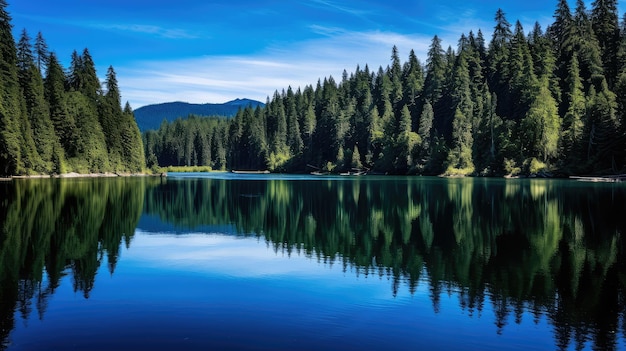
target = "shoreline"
x: 81, y: 175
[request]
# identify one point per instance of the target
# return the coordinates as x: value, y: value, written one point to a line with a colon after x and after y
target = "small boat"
x: 318, y: 173
x: 250, y: 172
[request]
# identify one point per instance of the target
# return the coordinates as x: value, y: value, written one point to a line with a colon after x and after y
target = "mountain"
x: 151, y: 116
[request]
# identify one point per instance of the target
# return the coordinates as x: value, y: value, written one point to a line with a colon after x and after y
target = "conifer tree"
x: 541, y: 125
x: 435, y: 72
x: 498, y: 56
x: 395, y: 74
x: 64, y: 123
x: 294, y: 140
x: 90, y: 84
x: 585, y: 44
x: 41, y: 53
x: 36, y: 109
x: 460, y: 155
x: 110, y: 116
x: 600, y: 129
x: 412, y: 80
x: 11, y: 158
x: 605, y: 24
x: 522, y: 79
x: 132, y: 146
x: 74, y: 79
x: 574, y: 120
x: 562, y: 30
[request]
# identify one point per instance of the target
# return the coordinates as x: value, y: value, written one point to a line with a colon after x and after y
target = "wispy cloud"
x: 148, y: 29
x: 222, y: 78
x: 339, y: 8
x: 158, y: 31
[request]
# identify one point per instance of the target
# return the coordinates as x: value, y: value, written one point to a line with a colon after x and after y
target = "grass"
x: 187, y: 169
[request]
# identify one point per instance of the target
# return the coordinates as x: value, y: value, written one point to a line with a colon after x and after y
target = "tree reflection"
x: 55, y: 227
x: 548, y: 248
x: 515, y: 248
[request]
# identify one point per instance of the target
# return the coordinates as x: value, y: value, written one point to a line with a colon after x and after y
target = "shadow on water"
x: 549, y: 248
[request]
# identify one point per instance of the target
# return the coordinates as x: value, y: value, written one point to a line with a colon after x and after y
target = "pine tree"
x: 11, y: 161
x: 435, y: 72
x: 36, y: 109
x: 605, y: 24
x: 412, y: 80
x: 90, y: 84
x: 574, y: 120
x: 562, y: 30
x: 294, y: 140
x: 541, y: 125
x: 460, y: 156
x: 425, y: 133
x: 64, y: 123
x: 110, y: 116
x: 405, y: 144
x: 91, y: 155
x: 586, y: 46
x: 544, y: 60
x: 356, y: 159
x: 74, y: 79
x: 132, y: 146
x: 498, y: 56
x: 395, y: 76
x: 522, y: 79
x: 601, y: 129
x: 41, y: 53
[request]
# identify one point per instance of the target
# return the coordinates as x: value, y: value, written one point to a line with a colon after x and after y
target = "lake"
x: 269, y: 262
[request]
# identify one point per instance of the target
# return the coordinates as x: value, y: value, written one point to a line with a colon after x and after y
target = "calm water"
x: 193, y: 262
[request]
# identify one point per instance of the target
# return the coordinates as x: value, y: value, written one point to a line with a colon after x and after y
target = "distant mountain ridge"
x: 151, y: 116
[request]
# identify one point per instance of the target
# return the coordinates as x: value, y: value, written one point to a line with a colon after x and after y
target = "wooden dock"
x: 601, y: 179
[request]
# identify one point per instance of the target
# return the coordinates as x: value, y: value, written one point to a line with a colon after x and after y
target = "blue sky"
x: 215, y: 51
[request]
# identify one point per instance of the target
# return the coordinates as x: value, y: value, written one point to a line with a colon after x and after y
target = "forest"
x: 55, y: 121
x: 544, y: 102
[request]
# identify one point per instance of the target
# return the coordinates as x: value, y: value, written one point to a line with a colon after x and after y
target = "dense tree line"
x: 54, y: 120
x: 543, y: 101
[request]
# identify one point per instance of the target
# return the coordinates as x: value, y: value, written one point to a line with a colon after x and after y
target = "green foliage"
x: 184, y: 169
x: 557, y: 97
x: 62, y: 123
x: 534, y: 166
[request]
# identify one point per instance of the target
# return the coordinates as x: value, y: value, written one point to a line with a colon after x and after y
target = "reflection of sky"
x: 214, y: 291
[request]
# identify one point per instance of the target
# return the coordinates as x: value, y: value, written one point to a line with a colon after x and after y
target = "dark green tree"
x: 64, y: 123
x: 37, y: 111
x: 435, y: 72
x: 605, y: 24
x: 11, y: 141
x: 41, y: 53
x: 574, y: 120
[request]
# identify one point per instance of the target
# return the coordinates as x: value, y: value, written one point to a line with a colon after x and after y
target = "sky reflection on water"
x: 211, y: 290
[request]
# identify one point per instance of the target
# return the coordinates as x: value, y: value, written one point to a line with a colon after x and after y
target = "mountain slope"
x: 151, y: 116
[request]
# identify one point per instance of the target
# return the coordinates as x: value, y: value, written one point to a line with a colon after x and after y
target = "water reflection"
x: 51, y: 228
x: 550, y: 248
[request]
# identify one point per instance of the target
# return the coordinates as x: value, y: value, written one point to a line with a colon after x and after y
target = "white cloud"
x: 158, y: 31
x: 222, y: 78
x: 229, y: 255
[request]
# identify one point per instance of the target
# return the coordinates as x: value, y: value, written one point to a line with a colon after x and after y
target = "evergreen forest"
x: 55, y: 120
x: 527, y: 102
